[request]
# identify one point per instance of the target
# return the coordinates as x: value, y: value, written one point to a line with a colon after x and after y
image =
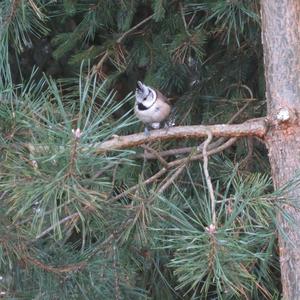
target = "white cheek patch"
x: 153, y: 92
x: 139, y: 98
x: 151, y: 98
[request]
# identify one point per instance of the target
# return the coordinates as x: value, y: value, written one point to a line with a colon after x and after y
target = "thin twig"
x: 170, y: 180
x: 97, y: 68
x: 179, y: 151
x: 183, y: 19
x: 224, y: 146
x: 245, y: 162
x: 120, y: 39
x: 244, y: 86
x: 135, y: 187
x: 240, y: 111
x: 58, y: 270
x: 45, y: 232
x: 176, y: 151
x: 172, y: 165
x: 207, y: 177
x: 155, y: 153
x: 99, y: 65
x: 192, y: 18
x: 104, y: 169
x: 117, y: 279
x: 114, y: 175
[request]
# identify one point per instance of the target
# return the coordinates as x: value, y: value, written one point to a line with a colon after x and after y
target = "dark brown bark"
x: 281, y: 42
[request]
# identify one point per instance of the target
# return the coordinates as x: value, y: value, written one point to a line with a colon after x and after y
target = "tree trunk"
x: 281, y: 42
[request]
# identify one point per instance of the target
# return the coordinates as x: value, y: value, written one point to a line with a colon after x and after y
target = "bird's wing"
x: 162, y: 97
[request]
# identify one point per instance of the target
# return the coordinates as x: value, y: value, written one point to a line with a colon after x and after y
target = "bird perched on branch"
x: 151, y: 107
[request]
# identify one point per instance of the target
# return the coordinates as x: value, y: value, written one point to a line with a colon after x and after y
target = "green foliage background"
x: 76, y: 224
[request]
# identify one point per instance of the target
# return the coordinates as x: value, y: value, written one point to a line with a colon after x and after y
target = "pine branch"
x: 98, y: 67
x: 253, y: 127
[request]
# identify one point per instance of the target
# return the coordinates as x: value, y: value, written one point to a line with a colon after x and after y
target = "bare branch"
x: 207, y: 177
x: 254, y: 127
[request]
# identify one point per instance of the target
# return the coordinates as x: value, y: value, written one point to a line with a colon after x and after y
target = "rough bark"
x: 281, y: 42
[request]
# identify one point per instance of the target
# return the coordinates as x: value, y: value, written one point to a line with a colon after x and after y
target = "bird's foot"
x: 166, y: 127
x: 146, y: 131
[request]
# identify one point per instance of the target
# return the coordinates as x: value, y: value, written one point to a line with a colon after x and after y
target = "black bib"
x: 141, y: 106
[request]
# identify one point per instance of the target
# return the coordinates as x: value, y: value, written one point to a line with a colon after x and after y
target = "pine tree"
x: 136, y: 223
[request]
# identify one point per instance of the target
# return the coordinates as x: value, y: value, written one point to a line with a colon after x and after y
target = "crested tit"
x: 151, y: 106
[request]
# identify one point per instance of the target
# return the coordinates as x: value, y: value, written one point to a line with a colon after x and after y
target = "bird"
x: 151, y: 107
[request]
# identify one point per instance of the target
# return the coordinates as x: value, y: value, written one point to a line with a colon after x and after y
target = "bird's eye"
x: 144, y: 98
